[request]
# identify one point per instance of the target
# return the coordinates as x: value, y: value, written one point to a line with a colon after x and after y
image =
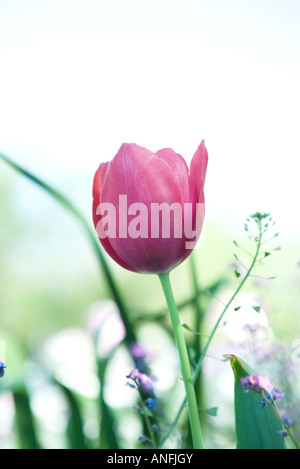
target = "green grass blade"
x: 257, y: 427
x: 108, y: 428
x: 75, y: 432
x: 25, y: 423
x: 68, y: 205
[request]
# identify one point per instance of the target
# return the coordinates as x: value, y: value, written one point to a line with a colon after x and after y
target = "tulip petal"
x: 198, y: 169
x: 181, y: 171
x: 196, y: 196
x: 99, y: 179
x: 179, y: 167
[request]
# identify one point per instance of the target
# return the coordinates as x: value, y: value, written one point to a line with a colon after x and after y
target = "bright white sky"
x: 79, y: 77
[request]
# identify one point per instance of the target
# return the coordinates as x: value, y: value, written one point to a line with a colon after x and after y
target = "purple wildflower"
x: 138, y: 351
x: 283, y: 433
x: 254, y: 380
x: 143, y: 438
x: 277, y: 394
x: 134, y: 374
x: 146, y: 382
x: 141, y: 379
x: 256, y: 383
x: 136, y: 407
x: 287, y: 422
x: 151, y: 403
x: 265, y: 383
x: 2, y: 369
x: 245, y: 383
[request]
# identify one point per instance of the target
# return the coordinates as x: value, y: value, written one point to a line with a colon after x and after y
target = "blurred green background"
x: 52, y: 287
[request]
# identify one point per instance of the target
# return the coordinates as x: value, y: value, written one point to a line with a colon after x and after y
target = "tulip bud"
x: 148, y: 208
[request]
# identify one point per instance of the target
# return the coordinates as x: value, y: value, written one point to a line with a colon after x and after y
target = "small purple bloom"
x: 131, y: 385
x: 283, y: 433
x: 151, y: 403
x: 134, y: 374
x: 256, y: 383
x: 254, y: 380
x: 143, y: 438
x: 146, y: 382
x: 277, y: 394
x: 136, y: 407
x: 2, y: 369
x: 264, y: 383
x: 287, y: 422
x: 141, y: 379
x: 138, y: 351
x: 262, y: 403
x: 155, y: 427
x: 245, y: 383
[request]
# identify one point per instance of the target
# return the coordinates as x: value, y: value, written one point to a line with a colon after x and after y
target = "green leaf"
x: 61, y: 199
x: 267, y: 254
x: 25, y: 422
x: 237, y: 308
x: 109, y: 437
x: 237, y: 274
x: 256, y: 427
x: 210, y: 411
x: 256, y: 308
x: 188, y: 328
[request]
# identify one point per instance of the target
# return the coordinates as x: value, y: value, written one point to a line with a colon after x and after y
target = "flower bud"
x: 148, y: 208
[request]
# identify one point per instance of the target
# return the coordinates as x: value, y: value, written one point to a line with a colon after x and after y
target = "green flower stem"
x: 184, y: 360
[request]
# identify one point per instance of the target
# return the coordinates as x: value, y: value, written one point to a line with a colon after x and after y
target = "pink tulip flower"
x: 148, y: 208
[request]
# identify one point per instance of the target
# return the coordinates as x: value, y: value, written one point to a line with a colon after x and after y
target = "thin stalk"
x: 185, y: 363
x: 199, y: 364
x: 286, y: 427
x: 288, y: 430
x: 148, y: 424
